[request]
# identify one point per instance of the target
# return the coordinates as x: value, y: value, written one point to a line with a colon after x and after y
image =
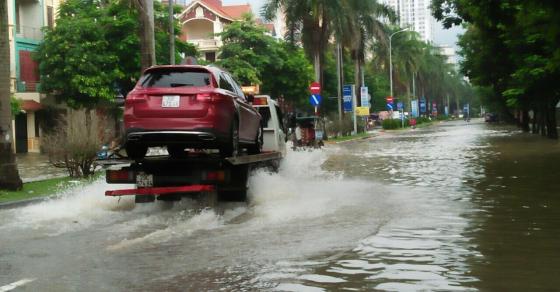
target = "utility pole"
x: 339, y: 80
x: 147, y: 43
x: 171, y: 34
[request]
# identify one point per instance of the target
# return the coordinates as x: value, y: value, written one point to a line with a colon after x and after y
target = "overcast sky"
x: 441, y: 36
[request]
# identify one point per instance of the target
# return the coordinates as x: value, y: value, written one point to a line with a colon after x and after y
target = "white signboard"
x: 364, y: 96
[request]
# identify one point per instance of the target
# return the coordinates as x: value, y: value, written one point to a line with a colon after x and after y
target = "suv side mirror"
x: 250, y: 98
x: 119, y: 100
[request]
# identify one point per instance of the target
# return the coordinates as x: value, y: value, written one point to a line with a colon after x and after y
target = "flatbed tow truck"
x: 199, y: 173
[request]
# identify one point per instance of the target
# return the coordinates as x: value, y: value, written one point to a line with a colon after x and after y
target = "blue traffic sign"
x: 347, y: 98
x: 399, y: 105
x: 423, y: 105
x: 315, y: 99
x: 390, y: 106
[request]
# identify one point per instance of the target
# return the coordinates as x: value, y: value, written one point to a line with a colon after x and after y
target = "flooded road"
x: 452, y: 207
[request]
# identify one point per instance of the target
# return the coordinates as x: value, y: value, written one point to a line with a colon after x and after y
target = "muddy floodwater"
x: 457, y: 206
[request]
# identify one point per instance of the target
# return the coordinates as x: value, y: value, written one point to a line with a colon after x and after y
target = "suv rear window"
x: 175, y: 78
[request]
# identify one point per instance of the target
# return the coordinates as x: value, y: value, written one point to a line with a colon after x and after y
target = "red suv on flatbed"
x: 187, y: 106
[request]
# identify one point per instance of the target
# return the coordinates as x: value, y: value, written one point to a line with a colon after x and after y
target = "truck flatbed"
x: 170, y: 178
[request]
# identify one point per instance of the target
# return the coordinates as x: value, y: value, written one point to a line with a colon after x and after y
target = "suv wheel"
x: 257, y: 147
x: 232, y: 148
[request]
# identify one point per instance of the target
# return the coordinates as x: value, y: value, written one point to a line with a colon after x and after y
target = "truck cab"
x: 274, y: 132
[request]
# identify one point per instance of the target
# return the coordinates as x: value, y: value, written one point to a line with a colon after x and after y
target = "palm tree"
x: 407, y: 52
x: 9, y: 176
x: 308, y: 21
x: 361, y: 26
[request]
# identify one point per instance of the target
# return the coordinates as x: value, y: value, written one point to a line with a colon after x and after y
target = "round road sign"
x: 315, y: 88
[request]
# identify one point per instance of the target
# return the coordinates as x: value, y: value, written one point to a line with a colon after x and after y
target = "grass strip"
x: 43, y: 188
x: 351, y: 137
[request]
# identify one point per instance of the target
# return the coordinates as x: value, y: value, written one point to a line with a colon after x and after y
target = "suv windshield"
x: 174, y: 78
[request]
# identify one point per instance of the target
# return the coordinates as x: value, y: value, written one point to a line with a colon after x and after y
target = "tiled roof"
x: 214, y: 6
x: 237, y: 11
x: 234, y: 12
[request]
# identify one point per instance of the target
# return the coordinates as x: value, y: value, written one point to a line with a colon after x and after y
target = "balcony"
x: 27, y: 86
x: 205, y: 44
x: 28, y: 32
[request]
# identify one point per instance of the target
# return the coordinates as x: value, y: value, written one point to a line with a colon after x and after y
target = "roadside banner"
x: 423, y: 105
x: 362, y: 111
x: 414, y: 107
x: 347, y: 98
x: 364, y: 96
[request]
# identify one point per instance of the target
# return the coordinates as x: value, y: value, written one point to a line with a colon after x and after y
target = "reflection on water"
x: 484, y: 217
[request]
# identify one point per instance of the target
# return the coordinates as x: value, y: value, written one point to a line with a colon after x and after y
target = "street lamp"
x: 391, y: 57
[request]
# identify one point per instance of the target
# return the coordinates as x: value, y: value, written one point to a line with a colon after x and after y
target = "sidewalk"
x: 35, y: 166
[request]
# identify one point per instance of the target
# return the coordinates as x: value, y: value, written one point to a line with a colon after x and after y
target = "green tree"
x: 91, y: 52
x: 253, y: 57
x: 9, y: 176
x: 525, y: 35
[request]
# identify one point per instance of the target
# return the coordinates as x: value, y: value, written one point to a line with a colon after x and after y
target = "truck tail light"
x: 260, y: 101
x: 219, y: 176
x: 121, y: 176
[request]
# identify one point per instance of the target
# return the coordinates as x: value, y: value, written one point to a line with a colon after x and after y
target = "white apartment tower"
x: 416, y: 14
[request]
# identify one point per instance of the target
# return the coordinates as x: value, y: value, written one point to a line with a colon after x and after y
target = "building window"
x: 50, y: 17
x: 29, y: 71
x: 18, y: 19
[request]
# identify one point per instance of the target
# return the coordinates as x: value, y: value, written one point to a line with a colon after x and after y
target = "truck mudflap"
x: 161, y: 190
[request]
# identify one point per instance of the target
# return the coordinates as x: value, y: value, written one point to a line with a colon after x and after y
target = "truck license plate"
x: 170, y: 101
x: 144, y: 180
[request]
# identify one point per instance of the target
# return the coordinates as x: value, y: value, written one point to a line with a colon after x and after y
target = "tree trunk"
x: 357, y: 80
x: 147, y: 44
x: 525, y: 120
x: 552, y: 131
x: 9, y: 175
x: 317, y: 65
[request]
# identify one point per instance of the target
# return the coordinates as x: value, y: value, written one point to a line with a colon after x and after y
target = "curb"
x: 22, y: 203
x: 354, y: 139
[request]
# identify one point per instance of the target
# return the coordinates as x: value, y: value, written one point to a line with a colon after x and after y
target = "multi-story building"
x: 203, y: 19
x: 449, y: 53
x: 415, y: 14
x: 26, y: 18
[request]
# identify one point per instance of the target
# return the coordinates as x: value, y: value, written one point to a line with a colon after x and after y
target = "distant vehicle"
x: 490, y: 117
x: 189, y: 106
x: 311, y: 131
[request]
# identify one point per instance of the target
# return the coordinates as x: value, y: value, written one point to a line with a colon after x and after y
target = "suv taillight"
x: 208, y: 96
x: 135, y: 98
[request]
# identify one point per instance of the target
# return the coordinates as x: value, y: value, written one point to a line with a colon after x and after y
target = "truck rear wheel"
x: 236, y: 191
x: 140, y: 199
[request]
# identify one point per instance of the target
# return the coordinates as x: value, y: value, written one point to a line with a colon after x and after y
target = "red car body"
x: 187, y: 106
